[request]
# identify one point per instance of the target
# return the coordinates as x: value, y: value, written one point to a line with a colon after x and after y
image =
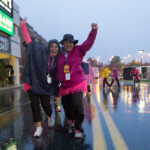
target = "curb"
x: 132, y: 82
x: 11, y: 87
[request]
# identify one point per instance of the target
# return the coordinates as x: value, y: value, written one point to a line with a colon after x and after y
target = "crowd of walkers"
x: 105, y: 74
x: 58, y: 70
x: 114, y: 75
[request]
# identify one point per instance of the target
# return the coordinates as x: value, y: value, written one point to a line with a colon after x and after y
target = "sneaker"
x: 70, y: 131
x: 78, y: 134
x: 69, y: 127
x: 38, y: 132
x: 72, y: 123
x: 58, y: 109
x: 50, y: 121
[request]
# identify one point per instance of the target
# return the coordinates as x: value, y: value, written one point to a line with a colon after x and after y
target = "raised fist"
x: 94, y: 25
x: 24, y: 21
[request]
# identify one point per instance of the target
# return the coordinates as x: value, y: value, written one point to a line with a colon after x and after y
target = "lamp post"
x: 98, y: 60
x: 125, y: 59
x: 129, y: 58
x: 141, y: 52
x: 149, y: 58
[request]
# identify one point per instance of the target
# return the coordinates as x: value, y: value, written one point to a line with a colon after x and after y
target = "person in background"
x: 72, y: 78
x: 135, y: 73
x: 115, y: 76
x: 39, y: 77
x: 105, y: 74
x: 89, y: 79
x: 11, y: 76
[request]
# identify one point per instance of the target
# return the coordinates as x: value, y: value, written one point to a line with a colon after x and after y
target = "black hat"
x: 68, y: 37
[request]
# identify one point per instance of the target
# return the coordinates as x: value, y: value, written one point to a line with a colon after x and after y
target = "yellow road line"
x: 117, y: 139
x: 98, y: 136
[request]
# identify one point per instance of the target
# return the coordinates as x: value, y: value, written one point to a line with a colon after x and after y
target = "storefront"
x: 9, y: 39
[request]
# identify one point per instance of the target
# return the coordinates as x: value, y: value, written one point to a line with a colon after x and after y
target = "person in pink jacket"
x: 89, y: 78
x: 72, y: 78
x: 115, y: 76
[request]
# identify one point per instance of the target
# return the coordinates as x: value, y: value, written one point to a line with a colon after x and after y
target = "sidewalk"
x: 10, y: 87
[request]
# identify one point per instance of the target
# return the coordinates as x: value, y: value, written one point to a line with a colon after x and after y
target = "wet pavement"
x: 114, y: 119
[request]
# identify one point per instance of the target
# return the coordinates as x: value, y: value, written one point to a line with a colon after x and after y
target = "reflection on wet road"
x: 114, y: 119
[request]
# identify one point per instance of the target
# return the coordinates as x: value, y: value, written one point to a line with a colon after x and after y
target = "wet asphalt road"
x: 114, y: 119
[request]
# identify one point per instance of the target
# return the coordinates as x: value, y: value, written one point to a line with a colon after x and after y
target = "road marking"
x: 8, y: 111
x: 98, y: 136
x: 117, y: 139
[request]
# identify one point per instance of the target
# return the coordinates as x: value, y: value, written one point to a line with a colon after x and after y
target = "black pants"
x: 136, y: 81
x: 11, y: 80
x: 73, y: 107
x: 35, y: 105
x: 116, y: 81
x: 88, y: 88
x: 105, y: 81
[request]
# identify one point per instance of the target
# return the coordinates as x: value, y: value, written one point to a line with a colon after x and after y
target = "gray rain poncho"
x: 36, y: 69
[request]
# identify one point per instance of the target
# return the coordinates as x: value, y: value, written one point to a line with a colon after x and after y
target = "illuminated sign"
x: 6, y: 24
x: 7, y: 6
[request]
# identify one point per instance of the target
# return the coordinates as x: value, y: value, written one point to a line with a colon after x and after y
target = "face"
x: 68, y: 45
x: 54, y: 49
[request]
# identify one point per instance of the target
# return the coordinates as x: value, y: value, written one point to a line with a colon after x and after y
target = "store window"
x: 5, y: 44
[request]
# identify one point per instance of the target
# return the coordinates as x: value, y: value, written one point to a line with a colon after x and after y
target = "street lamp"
x: 125, y: 59
x: 149, y: 57
x: 141, y: 52
x: 98, y: 60
x: 129, y: 57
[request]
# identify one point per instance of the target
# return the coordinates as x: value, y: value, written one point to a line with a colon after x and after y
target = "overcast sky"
x: 124, y: 25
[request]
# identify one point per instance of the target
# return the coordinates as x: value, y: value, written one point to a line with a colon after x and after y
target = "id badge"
x: 66, y: 69
x: 67, y: 76
x: 49, y: 79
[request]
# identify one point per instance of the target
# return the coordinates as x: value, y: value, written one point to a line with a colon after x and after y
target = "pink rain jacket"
x: 115, y: 73
x: 90, y: 76
x: 77, y: 82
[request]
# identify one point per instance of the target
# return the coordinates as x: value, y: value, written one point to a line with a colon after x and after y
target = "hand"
x: 24, y: 21
x: 94, y: 26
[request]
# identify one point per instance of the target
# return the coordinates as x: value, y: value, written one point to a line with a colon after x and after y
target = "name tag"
x: 66, y: 69
x: 49, y: 79
x: 67, y: 76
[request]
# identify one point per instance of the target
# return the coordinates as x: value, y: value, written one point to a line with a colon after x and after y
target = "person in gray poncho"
x: 39, y: 76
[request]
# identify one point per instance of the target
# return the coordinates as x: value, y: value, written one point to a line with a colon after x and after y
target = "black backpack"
x: 85, y: 67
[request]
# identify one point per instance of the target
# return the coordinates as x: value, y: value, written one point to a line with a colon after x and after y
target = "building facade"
x: 9, y: 36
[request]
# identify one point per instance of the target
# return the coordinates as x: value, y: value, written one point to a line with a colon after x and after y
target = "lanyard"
x: 50, y: 65
x: 66, y: 57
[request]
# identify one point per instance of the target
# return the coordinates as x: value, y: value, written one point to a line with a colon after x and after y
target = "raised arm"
x: 25, y: 32
x: 90, y: 40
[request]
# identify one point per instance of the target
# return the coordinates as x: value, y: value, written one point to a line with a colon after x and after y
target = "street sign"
x: 6, y: 24
x: 7, y: 7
